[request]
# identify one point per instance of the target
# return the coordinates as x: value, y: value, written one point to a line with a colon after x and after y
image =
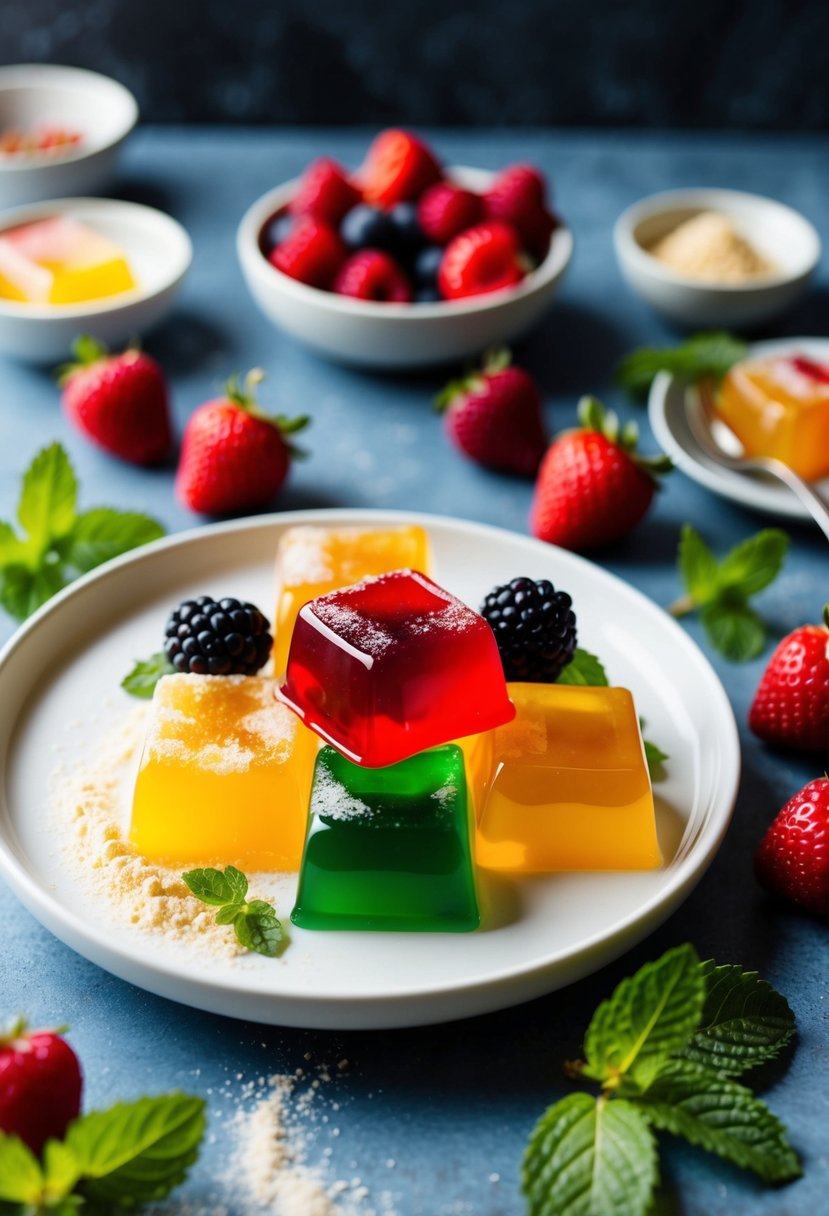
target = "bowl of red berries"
x: 405, y: 262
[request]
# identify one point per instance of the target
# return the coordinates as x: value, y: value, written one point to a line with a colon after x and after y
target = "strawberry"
x: 324, y: 192
x: 233, y: 456
x: 791, y: 705
x: 592, y: 489
x: 40, y: 1085
x: 445, y: 210
x: 481, y: 259
x: 312, y: 254
x: 398, y: 166
x: 118, y: 401
x: 793, y: 857
x: 494, y: 416
x: 371, y: 274
x: 518, y: 196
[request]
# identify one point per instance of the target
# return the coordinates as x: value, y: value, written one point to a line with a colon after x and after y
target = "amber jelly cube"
x: 388, y: 848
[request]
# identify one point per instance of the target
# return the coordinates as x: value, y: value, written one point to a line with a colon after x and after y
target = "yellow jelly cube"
x: 312, y: 561
x: 565, y: 785
x: 61, y: 261
x: 780, y: 407
x: 225, y: 776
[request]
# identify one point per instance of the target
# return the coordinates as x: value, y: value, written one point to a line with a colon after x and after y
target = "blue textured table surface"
x: 434, y: 1121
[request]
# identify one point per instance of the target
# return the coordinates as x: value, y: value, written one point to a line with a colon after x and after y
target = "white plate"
x: 669, y: 421
x: 64, y: 666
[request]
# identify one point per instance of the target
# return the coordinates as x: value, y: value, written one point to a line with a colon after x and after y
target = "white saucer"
x: 669, y: 422
x: 59, y: 680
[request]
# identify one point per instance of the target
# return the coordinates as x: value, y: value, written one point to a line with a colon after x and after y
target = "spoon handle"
x: 814, y: 503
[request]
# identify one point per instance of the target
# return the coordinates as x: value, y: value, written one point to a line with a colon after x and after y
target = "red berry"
x: 808, y: 367
x: 791, y: 705
x: 324, y: 192
x: 398, y: 166
x: 481, y: 259
x: 793, y: 857
x: 591, y: 488
x: 312, y: 254
x: 495, y: 417
x: 518, y: 197
x: 118, y: 401
x: 233, y: 458
x: 445, y: 210
x: 371, y: 274
x: 40, y: 1085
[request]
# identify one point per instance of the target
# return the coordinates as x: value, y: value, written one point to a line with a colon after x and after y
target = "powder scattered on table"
x: 708, y: 247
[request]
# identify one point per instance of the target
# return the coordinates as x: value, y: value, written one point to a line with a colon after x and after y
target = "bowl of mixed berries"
x: 404, y: 262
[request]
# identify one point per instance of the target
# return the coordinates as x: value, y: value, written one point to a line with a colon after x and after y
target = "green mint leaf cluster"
x: 665, y: 1049
x: 255, y: 921
x: 146, y: 673
x: 131, y: 1154
x: 702, y: 356
x: 720, y: 589
x: 54, y: 542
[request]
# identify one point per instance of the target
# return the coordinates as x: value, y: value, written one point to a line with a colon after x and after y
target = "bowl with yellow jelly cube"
x: 99, y: 266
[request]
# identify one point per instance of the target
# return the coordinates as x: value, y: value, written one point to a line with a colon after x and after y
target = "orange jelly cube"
x: 780, y: 407
x: 565, y: 785
x: 61, y: 261
x: 225, y: 776
x: 311, y: 561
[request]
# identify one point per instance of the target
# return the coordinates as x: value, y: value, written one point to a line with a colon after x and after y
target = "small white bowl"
x: 42, y: 94
x: 159, y: 253
x: 368, y: 334
x: 783, y: 236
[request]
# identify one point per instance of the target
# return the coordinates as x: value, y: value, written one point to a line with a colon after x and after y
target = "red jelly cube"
x: 391, y: 666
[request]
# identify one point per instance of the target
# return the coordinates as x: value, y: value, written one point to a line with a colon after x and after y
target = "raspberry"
x: 517, y: 196
x: 535, y: 628
x: 373, y: 275
x: 324, y: 192
x: 312, y: 254
x: 398, y: 166
x: 445, y: 210
x: 217, y: 637
x: 481, y: 259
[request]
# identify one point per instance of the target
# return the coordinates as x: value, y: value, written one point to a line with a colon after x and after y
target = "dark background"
x: 741, y: 64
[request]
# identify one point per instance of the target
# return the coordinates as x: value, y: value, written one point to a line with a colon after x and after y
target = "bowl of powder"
x: 716, y: 258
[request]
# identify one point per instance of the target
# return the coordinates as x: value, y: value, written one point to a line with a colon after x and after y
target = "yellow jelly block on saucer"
x: 61, y: 261
x: 312, y: 561
x: 225, y: 776
x: 565, y: 785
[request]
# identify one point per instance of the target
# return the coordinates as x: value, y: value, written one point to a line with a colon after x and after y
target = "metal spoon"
x: 719, y: 443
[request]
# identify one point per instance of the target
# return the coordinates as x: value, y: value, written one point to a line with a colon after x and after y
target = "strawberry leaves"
x: 55, y: 543
x: 255, y: 922
x: 664, y: 1048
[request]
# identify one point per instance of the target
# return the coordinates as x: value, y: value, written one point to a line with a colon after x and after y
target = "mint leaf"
x: 650, y: 1016
x: 701, y: 356
x: 21, y: 1178
x: 753, y: 564
x: 588, y: 1157
x: 734, y: 629
x: 23, y: 590
x: 146, y: 673
x: 744, y: 1021
x: 12, y: 550
x: 217, y: 887
x: 655, y: 759
x: 583, y: 669
x: 137, y: 1152
x: 103, y: 533
x: 258, y: 928
x: 698, y: 566
x: 60, y: 1170
x: 228, y: 914
x: 46, y: 509
x: 721, y: 1116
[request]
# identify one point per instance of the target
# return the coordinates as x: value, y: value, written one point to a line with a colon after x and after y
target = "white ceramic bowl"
x: 783, y: 236
x: 159, y: 253
x: 36, y: 94
x: 368, y: 334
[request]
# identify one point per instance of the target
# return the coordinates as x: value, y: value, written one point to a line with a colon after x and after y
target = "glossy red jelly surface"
x: 391, y: 666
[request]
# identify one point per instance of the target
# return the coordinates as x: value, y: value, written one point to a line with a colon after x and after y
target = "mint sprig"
x: 255, y: 922
x: 655, y: 1048
x: 702, y: 356
x: 133, y: 1153
x: 53, y: 542
x: 721, y: 589
x: 141, y: 681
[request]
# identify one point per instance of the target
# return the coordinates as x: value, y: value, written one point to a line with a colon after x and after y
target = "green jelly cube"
x: 389, y: 848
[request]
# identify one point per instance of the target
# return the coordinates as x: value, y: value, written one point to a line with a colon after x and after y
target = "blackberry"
x: 217, y: 637
x: 534, y: 626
